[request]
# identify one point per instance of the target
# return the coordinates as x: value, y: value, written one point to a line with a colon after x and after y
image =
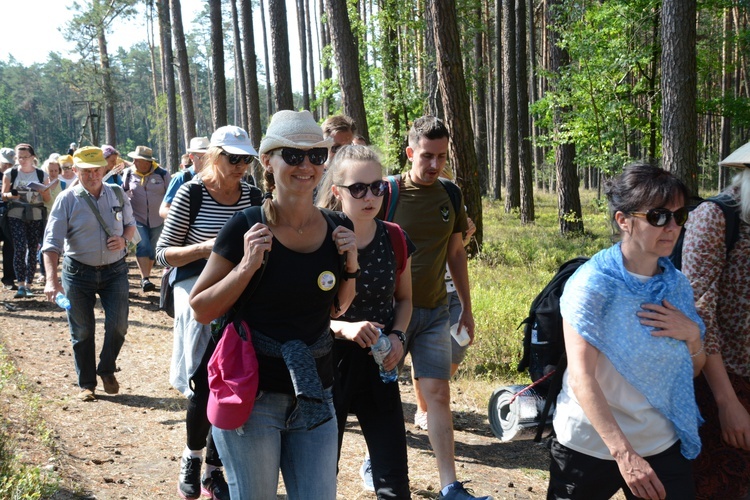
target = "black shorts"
x: 575, y: 475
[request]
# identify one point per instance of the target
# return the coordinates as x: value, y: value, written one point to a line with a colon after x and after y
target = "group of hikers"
x: 283, y: 294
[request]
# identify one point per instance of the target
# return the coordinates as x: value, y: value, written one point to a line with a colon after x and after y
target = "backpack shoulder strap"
x: 40, y: 175
x: 119, y: 193
x: 187, y: 175
x: 13, y: 175
x: 256, y: 195
x: 195, y: 192
x: 394, y: 186
x: 83, y: 194
x: 454, y: 193
x: 398, y: 242
x: 732, y: 218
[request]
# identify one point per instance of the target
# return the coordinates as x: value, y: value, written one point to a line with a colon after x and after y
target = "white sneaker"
x: 365, y: 472
x: 420, y: 420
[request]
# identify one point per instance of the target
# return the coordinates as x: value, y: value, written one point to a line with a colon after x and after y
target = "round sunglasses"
x: 660, y: 217
x: 294, y: 156
x: 236, y: 159
x: 358, y: 190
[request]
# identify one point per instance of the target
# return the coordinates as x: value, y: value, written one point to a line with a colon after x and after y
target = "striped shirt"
x: 208, y: 221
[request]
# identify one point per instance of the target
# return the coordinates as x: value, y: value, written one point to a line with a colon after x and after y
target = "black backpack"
x: 543, y: 342
x: 730, y: 208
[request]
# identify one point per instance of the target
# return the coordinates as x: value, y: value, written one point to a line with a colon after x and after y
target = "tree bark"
x: 282, y: 73
x: 510, y: 108
x: 326, y: 70
x: 183, y: 69
x: 346, y: 54
x: 496, y: 171
x: 726, y: 93
x: 568, y: 197
x: 524, y: 135
x: 269, y: 95
x: 679, y: 81
x: 456, y: 106
x: 302, y: 36
x: 310, y: 58
x: 250, y: 68
x: 238, y: 67
x: 480, y: 133
x: 218, y: 80
x: 173, y: 156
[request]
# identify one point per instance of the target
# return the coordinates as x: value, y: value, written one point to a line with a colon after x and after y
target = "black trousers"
x: 9, y: 275
x: 196, y: 421
x: 575, y: 475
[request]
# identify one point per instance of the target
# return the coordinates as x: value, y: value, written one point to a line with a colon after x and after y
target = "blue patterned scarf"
x: 601, y: 300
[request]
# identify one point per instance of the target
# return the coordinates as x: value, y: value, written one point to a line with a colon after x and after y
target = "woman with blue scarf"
x: 626, y: 416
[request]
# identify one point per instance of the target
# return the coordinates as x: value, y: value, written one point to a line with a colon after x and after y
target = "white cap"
x: 233, y: 140
x: 198, y: 145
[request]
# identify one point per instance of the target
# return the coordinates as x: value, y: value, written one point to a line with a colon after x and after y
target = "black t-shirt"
x: 293, y: 299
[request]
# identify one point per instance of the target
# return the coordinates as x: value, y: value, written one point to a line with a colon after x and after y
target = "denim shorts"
x: 149, y: 237
x: 428, y: 340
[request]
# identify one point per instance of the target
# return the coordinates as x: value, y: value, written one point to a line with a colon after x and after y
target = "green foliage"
x: 515, y: 263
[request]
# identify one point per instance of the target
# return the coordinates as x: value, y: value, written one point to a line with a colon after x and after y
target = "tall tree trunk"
x: 538, y: 153
x: 165, y: 37
x: 679, y: 80
x: 434, y: 100
x: 302, y: 36
x: 239, y: 66
x: 524, y: 136
x: 250, y: 70
x: 456, y: 106
x: 154, y: 69
x: 480, y: 144
x: 310, y: 57
x: 496, y: 171
x: 510, y: 108
x: 388, y: 48
x: 110, y: 128
x: 183, y: 69
x: 726, y: 93
x: 269, y: 95
x: 218, y: 80
x: 654, y: 70
x: 347, y: 59
x: 326, y: 70
x: 568, y: 197
x: 282, y: 73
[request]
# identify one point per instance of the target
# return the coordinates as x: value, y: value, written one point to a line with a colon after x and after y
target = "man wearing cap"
x: 198, y: 148
x: 91, y: 225
x: 146, y: 183
x: 7, y: 159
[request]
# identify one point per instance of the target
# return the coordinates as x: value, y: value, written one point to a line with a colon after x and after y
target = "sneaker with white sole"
x: 215, y: 486
x: 420, y: 420
x: 458, y: 492
x: 365, y: 472
x: 189, y: 481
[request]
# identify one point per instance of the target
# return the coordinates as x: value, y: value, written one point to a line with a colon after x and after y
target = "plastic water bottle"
x: 380, y: 350
x: 62, y: 301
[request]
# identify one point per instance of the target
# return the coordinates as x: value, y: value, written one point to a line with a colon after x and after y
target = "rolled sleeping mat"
x: 520, y: 418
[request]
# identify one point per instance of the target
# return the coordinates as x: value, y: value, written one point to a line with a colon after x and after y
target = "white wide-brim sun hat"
x: 294, y: 129
x: 740, y: 158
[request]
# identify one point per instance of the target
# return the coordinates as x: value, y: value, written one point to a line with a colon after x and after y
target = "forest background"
x: 538, y: 94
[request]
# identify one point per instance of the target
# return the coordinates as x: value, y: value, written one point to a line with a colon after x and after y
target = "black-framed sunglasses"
x: 294, y: 156
x: 660, y: 217
x: 236, y: 159
x: 358, y: 190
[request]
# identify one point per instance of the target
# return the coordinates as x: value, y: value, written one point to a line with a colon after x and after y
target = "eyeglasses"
x: 660, y: 217
x: 358, y: 190
x: 67, y: 167
x: 23, y: 157
x: 294, y: 156
x: 236, y: 159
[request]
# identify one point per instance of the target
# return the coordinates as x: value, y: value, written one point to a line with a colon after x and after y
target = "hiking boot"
x: 87, y: 395
x: 458, y: 492
x: 215, y: 486
x: 420, y: 420
x: 365, y: 472
x: 147, y: 286
x: 111, y: 386
x: 189, y: 482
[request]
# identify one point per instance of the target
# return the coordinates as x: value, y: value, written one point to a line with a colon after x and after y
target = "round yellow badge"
x: 326, y: 280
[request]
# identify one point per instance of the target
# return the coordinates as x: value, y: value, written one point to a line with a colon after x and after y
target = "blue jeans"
x: 149, y: 236
x: 275, y: 437
x: 82, y: 283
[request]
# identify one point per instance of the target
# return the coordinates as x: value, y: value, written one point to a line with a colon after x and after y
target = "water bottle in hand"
x: 62, y: 301
x: 380, y: 350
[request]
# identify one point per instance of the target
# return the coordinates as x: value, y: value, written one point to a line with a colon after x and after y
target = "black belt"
x: 97, y: 268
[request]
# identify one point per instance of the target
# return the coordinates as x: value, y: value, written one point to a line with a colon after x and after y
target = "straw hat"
x: 294, y: 129
x: 740, y: 158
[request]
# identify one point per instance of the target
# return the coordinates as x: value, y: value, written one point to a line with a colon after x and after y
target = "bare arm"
x: 180, y: 256
x: 164, y: 209
x: 457, y: 263
x: 582, y: 361
x: 346, y: 242
x: 733, y: 416
x: 52, y: 283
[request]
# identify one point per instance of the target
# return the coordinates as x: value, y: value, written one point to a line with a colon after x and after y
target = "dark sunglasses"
x: 236, y: 159
x: 294, y: 156
x: 359, y: 189
x: 660, y: 217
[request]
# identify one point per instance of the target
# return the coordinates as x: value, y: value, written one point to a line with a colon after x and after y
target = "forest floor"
x: 127, y: 446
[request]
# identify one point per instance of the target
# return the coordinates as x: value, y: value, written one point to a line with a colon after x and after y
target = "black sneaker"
x: 147, y: 286
x: 215, y: 486
x: 189, y: 482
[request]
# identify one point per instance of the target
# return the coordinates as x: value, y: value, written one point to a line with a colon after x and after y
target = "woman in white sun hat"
x: 302, y: 285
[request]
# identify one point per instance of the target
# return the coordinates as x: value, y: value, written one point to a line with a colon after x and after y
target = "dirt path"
x: 127, y: 446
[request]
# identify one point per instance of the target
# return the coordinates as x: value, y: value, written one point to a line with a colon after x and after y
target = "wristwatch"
x: 127, y: 241
x: 346, y: 275
x: 400, y: 335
